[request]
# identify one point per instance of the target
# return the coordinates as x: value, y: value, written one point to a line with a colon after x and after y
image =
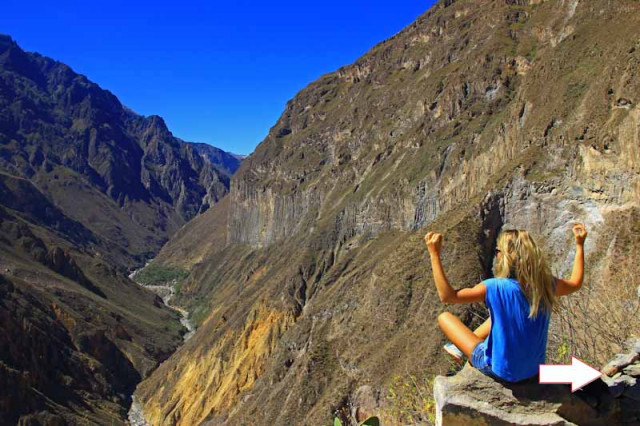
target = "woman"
x: 511, y: 344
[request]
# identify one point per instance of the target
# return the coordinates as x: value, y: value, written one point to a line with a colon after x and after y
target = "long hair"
x: 523, y: 260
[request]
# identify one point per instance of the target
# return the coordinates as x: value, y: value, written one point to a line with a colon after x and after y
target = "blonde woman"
x: 511, y: 344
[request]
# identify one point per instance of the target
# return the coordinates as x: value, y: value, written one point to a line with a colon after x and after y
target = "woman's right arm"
x: 564, y: 287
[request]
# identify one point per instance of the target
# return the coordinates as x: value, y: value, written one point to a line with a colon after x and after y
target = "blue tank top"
x: 516, y: 345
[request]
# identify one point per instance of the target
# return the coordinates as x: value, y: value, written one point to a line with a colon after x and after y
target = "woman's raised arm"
x: 447, y: 293
x: 564, y: 287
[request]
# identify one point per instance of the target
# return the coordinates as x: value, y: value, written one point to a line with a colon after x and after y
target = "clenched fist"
x: 434, y: 243
x: 580, y: 232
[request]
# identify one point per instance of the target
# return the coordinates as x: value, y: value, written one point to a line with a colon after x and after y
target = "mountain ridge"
x: 134, y: 160
x: 88, y: 191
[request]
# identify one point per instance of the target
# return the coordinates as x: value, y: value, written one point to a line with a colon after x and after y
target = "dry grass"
x: 593, y: 323
x: 410, y: 400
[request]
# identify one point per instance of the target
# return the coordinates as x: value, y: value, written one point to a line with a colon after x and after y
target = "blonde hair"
x: 523, y: 260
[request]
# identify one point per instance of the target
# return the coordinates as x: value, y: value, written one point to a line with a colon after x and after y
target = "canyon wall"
x: 477, y: 116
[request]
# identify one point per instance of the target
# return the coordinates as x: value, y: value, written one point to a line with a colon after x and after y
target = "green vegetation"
x: 198, y: 316
x: 530, y: 46
x: 371, y: 421
x: 411, y: 399
x: 563, y: 351
x: 158, y: 274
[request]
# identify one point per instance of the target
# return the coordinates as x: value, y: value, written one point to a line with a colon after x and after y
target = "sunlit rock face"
x: 478, y: 115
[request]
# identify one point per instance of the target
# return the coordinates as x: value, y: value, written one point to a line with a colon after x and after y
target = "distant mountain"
x: 88, y: 190
x: 224, y: 161
x: 58, y: 129
x: 240, y: 156
x: 218, y: 163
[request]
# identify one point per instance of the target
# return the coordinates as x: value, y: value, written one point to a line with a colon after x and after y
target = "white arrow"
x: 578, y: 374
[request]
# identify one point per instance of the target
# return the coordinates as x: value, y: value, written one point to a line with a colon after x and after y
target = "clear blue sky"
x: 217, y: 72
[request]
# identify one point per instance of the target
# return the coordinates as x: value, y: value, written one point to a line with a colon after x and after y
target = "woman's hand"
x: 574, y: 283
x: 434, y: 243
x: 580, y: 232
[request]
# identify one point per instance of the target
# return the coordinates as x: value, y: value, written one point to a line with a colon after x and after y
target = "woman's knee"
x: 444, y: 318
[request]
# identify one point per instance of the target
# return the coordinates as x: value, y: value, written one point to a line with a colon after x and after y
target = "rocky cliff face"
x: 480, y: 114
x: 429, y: 118
x: 88, y: 190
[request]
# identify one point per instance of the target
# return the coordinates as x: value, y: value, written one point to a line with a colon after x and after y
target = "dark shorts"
x: 479, y: 359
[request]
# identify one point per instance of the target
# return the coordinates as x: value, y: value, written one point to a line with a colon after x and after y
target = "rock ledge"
x: 470, y: 397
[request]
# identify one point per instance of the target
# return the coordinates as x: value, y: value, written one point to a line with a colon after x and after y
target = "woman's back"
x: 517, y: 344
x: 512, y: 344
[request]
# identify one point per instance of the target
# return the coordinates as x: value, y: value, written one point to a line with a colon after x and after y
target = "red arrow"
x: 578, y: 374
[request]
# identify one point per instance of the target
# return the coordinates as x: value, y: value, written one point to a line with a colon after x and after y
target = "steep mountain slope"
x: 126, y: 177
x: 88, y: 190
x: 480, y: 114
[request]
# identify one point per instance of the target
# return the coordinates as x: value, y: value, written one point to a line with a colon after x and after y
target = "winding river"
x: 166, y: 291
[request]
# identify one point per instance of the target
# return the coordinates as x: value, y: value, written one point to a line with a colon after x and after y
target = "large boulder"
x: 471, y: 397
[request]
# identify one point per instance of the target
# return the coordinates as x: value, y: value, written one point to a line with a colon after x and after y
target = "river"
x: 166, y: 291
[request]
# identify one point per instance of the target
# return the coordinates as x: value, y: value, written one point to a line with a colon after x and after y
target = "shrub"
x: 593, y: 323
x: 410, y: 399
x: 159, y: 274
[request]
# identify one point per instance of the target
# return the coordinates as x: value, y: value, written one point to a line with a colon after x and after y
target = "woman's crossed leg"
x: 461, y: 335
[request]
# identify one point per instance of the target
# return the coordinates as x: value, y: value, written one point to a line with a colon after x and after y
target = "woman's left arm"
x: 447, y: 293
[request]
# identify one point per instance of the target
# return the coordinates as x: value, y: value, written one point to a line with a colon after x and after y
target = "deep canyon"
x: 303, y: 266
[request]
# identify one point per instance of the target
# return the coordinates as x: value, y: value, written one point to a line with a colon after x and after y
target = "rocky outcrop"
x: 471, y: 397
x: 622, y: 377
